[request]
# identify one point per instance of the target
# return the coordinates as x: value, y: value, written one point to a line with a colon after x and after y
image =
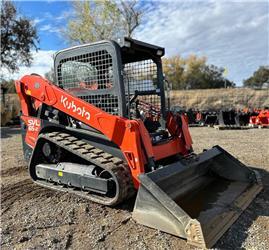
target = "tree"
x: 213, y: 78
x: 18, y: 38
x: 102, y: 19
x: 258, y: 78
x: 194, y: 73
x: 9, y: 85
x: 94, y: 20
x: 131, y: 15
x: 173, y: 68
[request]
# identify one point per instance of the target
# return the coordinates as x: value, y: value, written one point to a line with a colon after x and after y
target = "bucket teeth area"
x: 194, y: 234
x: 197, y: 200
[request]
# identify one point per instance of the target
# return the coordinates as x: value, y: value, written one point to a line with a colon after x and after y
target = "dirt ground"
x: 36, y: 218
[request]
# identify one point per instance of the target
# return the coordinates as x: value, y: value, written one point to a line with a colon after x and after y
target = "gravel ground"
x: 37, y: 218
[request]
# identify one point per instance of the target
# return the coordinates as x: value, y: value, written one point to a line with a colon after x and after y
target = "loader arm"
x: 131, y: 136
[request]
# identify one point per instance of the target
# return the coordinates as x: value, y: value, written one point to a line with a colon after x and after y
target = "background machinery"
x: 260, y: 119
x: 104, y: 130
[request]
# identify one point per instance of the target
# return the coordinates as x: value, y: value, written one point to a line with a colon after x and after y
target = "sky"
x: 231, y: 34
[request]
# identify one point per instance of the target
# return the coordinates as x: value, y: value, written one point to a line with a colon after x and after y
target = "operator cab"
x: 122, y: 78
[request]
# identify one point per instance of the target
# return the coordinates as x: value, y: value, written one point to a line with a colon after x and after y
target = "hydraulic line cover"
x: 196, y: 199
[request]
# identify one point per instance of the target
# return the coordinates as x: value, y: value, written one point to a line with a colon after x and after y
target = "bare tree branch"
x: 131, y: 15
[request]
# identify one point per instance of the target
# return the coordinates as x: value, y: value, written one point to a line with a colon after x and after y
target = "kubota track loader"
x: 104, y: 130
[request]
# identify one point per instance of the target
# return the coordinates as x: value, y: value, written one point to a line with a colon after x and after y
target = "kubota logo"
x: 74, y: 108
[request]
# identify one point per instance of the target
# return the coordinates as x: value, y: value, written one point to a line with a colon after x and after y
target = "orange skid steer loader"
x: 104, y: 129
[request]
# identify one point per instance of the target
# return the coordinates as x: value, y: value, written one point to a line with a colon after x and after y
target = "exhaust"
x: 196, y: 199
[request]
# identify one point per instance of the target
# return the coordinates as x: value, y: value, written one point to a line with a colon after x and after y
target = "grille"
x: 142, y: 76
x: 153, y: 100
x: 106, y: 102
x: 148, y: 109
x: 84, y: 75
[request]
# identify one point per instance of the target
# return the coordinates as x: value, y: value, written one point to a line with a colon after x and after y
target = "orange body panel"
x: 131, y: 136
x: 33, y: 128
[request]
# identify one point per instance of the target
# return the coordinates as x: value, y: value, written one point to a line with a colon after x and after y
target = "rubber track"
x: 115, y: 166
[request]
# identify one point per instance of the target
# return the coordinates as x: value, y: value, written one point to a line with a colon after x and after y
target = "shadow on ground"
x: 7, y: 132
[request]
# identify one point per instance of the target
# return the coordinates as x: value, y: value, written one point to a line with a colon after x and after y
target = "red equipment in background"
x: 261, y: 120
